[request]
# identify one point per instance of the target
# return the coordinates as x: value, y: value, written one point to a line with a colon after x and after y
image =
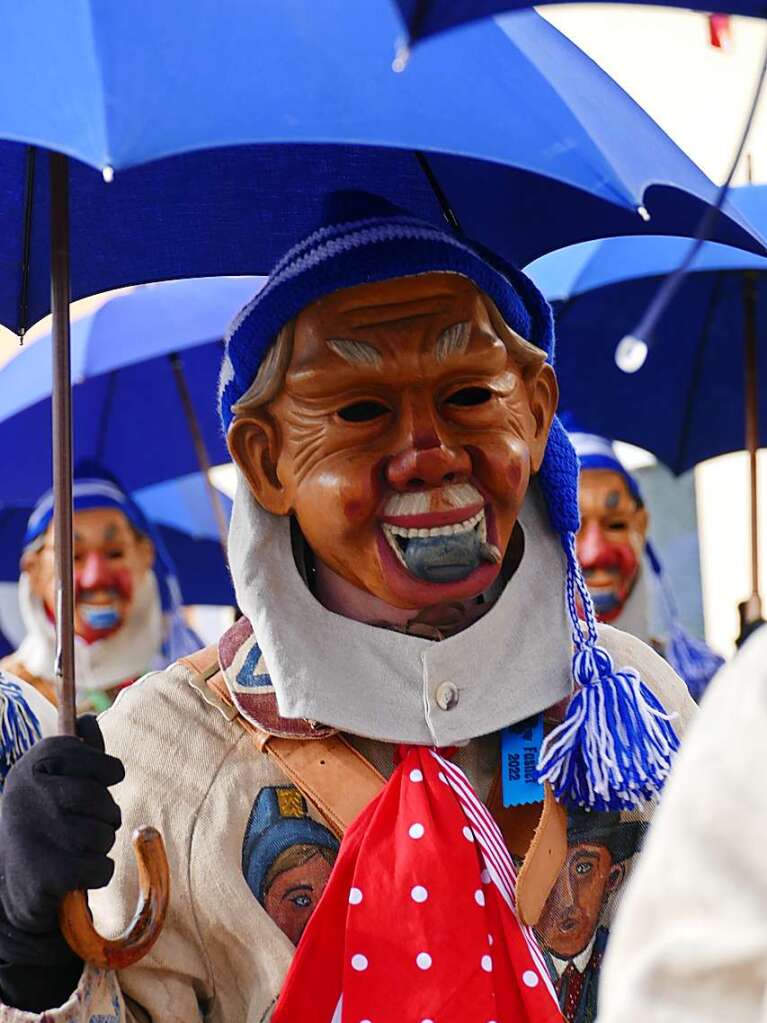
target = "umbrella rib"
x: 106, y: 410
x: 29, y: 194
x: 697, y: 370
x: 420, y: 11
x: 444, y: 203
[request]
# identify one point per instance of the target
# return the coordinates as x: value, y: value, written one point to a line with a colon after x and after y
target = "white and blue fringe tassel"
x: 615, y: 747
x: 19, y: 726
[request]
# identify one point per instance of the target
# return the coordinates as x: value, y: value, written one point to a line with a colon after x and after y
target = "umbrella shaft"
x: 62, y: 443
x: 752, y: 419
x: 201, y: 451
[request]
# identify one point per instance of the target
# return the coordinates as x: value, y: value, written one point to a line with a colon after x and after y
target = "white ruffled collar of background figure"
x: 512, y: 662
x: 126, y: 654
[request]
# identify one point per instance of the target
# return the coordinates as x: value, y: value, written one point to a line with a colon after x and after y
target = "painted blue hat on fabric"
x: 279, y: 820
x: 613, y: 750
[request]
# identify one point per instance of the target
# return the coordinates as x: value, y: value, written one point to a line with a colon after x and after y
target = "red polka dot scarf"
x: 418, y: 923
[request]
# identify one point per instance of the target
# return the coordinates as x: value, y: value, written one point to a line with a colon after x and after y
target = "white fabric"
x: 125, y: 654
x: 635, y: 617
x: 690, y: 942
x: 511, y: 663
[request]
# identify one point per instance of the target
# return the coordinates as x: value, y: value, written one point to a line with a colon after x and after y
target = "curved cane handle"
x: 144, y: 929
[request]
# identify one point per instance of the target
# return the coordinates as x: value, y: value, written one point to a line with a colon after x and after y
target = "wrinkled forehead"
x: 604, y: 490
x: 398, y: 306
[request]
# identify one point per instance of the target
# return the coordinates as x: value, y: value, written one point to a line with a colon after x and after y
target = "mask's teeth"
x: 489, y: 552
x: 475, y: 522
x: 389, y: 534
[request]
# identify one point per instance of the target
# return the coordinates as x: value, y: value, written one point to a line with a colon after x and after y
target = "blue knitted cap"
x: 93, y: 486
x: 363, y: 240
x: 614, y: 747
x: 596, y: 452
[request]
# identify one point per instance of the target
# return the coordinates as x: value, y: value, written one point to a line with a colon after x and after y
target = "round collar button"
x: 446, y: 695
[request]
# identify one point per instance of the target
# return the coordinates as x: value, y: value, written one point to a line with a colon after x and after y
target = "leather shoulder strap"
x: 340, y: 782
x: 329, y: 772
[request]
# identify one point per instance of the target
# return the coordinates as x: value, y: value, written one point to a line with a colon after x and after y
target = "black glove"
x: 57, y: 824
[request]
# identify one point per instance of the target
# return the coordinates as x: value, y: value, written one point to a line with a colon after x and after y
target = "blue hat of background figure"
x: 95, y: 487
x: 595, y: 452
x: 270, y: 832
x: 615, y: 746
x: 691, y: 658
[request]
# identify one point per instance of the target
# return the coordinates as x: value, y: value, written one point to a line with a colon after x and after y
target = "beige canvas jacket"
x: 227, y: 816
x: 690, y: 944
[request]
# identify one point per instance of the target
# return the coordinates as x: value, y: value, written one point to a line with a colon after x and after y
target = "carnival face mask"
x: 404, y: 437
x: 611, y: 539
x: 111, y: 560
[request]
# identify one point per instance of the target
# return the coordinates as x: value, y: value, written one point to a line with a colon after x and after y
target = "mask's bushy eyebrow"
x: 453, y: 340
x: 358, y: 353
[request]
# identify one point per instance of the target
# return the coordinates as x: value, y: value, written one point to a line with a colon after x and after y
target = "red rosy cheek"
x: 625, y: 559
x: 354, y: 510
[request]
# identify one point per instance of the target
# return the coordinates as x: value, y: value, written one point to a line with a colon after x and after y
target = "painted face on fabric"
x: 110, y: 563
x: 404, y: 438
x: 610, y: 541
x: 293, y: 895
x: 574, y: 906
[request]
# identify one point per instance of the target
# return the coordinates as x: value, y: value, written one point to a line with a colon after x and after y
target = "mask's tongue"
x: 100, y: 616
x: 446, y: 558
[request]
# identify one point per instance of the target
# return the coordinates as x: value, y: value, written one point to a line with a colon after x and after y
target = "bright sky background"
x: 699, y: 95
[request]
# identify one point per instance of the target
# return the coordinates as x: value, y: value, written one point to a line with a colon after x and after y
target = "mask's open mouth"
x: 443, y: 554
x: 100, y: 617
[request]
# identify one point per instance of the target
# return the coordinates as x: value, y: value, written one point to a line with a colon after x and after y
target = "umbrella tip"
x: 401, y: 56
x: 108, y: 174
x: 643, y: 213
x: 630, y: 354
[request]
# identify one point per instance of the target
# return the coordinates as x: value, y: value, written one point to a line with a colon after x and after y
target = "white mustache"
x: 418, y: 502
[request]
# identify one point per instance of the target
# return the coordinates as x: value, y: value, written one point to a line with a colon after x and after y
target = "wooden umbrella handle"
x: 144, y: 929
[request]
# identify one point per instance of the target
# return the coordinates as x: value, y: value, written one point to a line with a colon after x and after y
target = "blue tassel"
x: 19, y: 726
x: 692, y: 659
x: 615, y: 747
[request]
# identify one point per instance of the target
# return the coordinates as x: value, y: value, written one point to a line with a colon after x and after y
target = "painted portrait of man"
x: 573, y: 928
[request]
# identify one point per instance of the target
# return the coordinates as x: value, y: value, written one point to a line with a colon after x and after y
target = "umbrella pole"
x: 751, y: 609
x: 74, y: 915
x: 62, y: 443
x: 201, y: 451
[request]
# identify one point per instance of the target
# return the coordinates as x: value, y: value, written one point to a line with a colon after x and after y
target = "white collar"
x: 513, y: 662
x: 635, y: 615
x: 580, y: 962
x: 124, y: 655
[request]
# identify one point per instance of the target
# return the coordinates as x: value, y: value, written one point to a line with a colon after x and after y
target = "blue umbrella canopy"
x: 261, y: 109
x: 422, y: 18
x: 128, y: 413
x: 686, y: 403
